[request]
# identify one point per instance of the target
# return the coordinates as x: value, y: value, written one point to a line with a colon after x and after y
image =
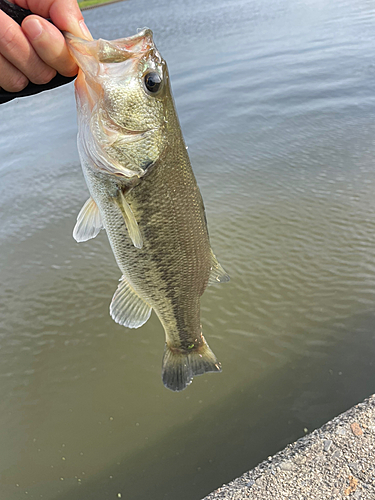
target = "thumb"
x: 66, y: 15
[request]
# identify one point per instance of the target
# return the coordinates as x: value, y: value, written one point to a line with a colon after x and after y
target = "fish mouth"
x: 124, y: 48
x: 95, y: 59
x: 105, y: 51
x: 134, y: 132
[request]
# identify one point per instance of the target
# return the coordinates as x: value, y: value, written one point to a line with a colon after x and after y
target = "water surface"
x: 276, y: 101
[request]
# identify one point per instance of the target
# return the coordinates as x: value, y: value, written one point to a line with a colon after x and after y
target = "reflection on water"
x: 276, y: 103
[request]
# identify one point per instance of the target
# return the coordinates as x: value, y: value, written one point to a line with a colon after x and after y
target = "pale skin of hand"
x: 36, y: 50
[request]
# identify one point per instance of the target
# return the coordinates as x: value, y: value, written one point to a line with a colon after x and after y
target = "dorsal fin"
x: 127, y: 308
x: 217, y: 274
x: 89, y: 222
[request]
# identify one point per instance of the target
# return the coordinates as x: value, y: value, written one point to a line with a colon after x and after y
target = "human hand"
x: 36, y: 50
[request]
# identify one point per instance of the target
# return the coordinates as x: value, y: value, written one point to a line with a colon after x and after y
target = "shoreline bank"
x: 92, y: 4
x: 336, y: 461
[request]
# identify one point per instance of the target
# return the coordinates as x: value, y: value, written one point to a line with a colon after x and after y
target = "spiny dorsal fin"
x: 131, y: 223
x: 89, y: 222
x: 127, y: 308
x: 217, y: 274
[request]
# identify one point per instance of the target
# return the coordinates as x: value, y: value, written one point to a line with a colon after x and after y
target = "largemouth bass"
x: 144, y: 194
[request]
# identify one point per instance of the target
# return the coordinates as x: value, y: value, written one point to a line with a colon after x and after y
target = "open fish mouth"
x: 103, y: 60
x: 113, y: 51
x: 123, y: 48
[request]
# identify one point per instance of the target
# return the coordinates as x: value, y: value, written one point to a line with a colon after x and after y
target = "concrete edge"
x: 336, y: 461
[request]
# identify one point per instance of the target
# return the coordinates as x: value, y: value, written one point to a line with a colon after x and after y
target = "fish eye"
x: 153, y: 82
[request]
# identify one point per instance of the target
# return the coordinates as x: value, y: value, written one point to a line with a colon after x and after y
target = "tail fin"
x: 179, y: 367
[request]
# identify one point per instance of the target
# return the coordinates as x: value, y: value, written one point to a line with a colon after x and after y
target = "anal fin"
x: 127, y: 308
x: 89, y: 222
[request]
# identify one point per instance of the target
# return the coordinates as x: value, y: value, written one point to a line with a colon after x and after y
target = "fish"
x: 144, y: 194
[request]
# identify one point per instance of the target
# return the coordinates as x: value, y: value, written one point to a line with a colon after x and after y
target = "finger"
x: 49, y: 43
x: 11, y: 79
x: 15, y: 47
x: 65, y: 14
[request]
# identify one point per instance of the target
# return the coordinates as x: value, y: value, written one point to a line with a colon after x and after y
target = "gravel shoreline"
x: 336, y: 461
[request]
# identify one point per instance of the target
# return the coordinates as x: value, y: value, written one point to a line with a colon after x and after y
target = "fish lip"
x: 134, y: 132
x: 131, y: 135
x: 121, y: 49
x: 143, y: 34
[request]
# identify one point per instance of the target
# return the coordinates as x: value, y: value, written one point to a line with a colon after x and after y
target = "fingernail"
x: 34, y: 28
x: 85, y: 30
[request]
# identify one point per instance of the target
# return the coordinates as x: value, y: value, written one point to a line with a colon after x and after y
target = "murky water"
x: 277, y: 105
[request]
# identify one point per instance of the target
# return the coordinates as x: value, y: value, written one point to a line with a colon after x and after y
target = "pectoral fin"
x: 127, y: 308
x: 217, y: 275
x: 130, y: 221
x: 89, y: 222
